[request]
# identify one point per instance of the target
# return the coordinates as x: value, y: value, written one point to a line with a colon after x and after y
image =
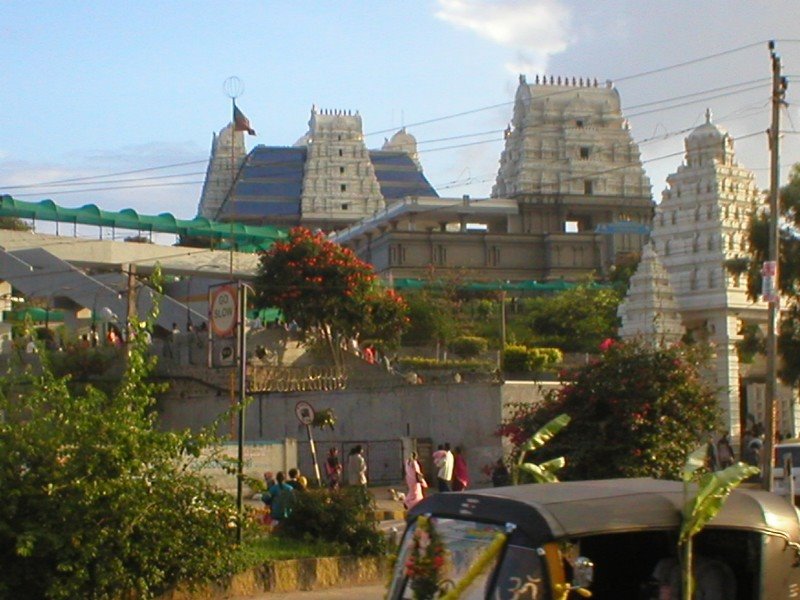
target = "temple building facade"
x: 702, y: 223
x: 327, y: 180
x: 570, y: 200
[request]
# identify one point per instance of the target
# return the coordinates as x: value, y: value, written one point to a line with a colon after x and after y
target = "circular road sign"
x: 223, y: 310
x: 304, y: 412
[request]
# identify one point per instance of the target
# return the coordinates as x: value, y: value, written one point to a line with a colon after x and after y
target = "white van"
x: 790, y: 447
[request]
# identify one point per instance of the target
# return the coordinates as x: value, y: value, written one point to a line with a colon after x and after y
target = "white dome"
x: 705, y: 132
x: 401, y: 140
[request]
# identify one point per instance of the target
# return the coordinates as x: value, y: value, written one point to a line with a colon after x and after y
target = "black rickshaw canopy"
x: 548, y: 512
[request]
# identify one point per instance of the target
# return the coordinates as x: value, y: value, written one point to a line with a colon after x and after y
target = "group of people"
x: 356, y: 468
x: 452, y: 474
x: 280, y: 491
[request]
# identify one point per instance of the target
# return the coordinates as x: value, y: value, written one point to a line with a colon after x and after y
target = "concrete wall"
x: 463, y: 414
x: 258, y: 457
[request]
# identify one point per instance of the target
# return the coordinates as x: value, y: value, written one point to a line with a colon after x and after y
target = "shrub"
x: 467, y: 346
x: 420, y: 363
x: 345, y: 517
x: 515, y: 359
x: 97, y: 501
x: 521, y: 359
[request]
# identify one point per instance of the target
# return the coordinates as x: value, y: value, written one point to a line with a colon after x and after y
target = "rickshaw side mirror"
x: 582, y: 572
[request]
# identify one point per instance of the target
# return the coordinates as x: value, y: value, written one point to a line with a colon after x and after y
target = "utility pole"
x: 769, y: 272
x: 242, y: 365
x: 131, y: 292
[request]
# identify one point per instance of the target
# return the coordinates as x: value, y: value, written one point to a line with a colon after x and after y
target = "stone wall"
x: 462, y: 414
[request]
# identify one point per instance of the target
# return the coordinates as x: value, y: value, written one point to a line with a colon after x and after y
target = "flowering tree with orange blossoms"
x: 328, y: 291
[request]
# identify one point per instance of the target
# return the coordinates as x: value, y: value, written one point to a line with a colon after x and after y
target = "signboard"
x: 304, y: 412
x: 769, y: 271
x: 222, y: 310
x: 223, y: 313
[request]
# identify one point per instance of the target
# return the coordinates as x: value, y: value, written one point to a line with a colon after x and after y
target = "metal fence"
x: 384, y: 459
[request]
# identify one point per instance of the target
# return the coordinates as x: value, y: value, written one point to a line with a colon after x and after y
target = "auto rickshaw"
x: 610, y: 539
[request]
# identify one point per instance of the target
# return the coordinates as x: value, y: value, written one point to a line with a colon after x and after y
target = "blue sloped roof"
x: 270, y: 183
x: 398, y: 175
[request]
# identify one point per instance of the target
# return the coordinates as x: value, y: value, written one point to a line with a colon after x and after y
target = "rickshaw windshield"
x: 442, y: 552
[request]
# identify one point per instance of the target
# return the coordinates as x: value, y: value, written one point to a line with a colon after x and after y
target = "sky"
x: 114, y: 103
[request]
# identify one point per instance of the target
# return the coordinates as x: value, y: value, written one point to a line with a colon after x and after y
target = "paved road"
x: 363, y: 592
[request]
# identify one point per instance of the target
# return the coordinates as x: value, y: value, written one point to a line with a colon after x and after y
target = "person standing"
x: 500, y: 475
x: 356, y: 467
x: 415, y: 481
x: 279, y: 498
x: 444, y: 461
x: 460, y: 471
x: 295, y: 480
x: 333, y: 469
x: 725, y: 453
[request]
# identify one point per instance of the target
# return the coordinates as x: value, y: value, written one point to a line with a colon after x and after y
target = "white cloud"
x: 533, y: 29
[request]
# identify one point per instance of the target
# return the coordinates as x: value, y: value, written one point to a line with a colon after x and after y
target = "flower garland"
x: 425, y: 564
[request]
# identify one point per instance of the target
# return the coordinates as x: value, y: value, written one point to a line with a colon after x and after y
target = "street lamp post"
x: 242, y: 364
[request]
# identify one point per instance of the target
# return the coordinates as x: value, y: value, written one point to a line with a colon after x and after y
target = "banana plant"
x: 544, y: 472
x: 713, y: 488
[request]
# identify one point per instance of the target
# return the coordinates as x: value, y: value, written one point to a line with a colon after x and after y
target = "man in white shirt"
x: 444, y: 460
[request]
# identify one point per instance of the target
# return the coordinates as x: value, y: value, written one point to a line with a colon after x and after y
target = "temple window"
x: 584, y: 151
x: 587, y: 187
x: 343, y: 187
x: 579, y: 123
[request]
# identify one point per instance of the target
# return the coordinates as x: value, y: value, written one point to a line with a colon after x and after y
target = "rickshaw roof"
x: 553, y: 511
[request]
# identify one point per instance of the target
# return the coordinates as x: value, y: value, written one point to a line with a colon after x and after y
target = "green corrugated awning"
x: 488, y: 286
x: 34, y: 313
x: 265, y: 315
x: 246, y: 238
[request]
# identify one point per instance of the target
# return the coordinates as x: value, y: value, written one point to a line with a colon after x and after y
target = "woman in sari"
x: 415, y: 481
x: 460, y: 471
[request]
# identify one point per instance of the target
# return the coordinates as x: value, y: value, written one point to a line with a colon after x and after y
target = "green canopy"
x: 488, y: 286
x: 249, y: 238
x: 265, y: 315
x: 34, y: 313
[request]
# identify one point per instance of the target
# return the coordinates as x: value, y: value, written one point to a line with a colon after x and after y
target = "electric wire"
x: 92, y: 179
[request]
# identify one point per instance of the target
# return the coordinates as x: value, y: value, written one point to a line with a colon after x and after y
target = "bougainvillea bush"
x: 637, y: 411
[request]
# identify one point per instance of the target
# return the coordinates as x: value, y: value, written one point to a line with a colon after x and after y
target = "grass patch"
x: 262, y: 549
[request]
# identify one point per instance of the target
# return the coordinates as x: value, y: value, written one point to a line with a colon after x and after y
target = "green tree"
x: 327, y: 291
x: 636, y: 411
x: 575, y: 320
x: 788, y: 272
x: 97, y: 502
x: 431, y: 319
x: 702, y: 504
x: 544, y: 472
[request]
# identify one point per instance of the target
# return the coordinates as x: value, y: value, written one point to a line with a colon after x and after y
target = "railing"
x: 295, y: 379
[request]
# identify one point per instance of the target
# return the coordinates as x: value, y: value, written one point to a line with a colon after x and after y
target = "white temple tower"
x: 703, y: 221
x: 571, y: 162
x: 339, y: 182
x: 227, y: 156
x: 650, y: 311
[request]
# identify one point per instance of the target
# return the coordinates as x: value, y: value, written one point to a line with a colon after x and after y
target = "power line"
x: 92, y: 179
x: 79, y: 183
x: 690, y: 62
x: 113, y: 188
